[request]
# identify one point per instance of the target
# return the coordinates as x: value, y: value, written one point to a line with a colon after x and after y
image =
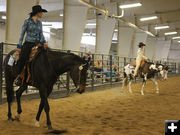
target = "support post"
x: 1, y: 70
x: 92, y: 73
x: 111, y: 70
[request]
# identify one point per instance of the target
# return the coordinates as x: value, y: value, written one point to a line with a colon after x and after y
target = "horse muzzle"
x: 81, y: 89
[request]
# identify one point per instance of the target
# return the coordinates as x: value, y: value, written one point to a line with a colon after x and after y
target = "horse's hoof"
x: 17, y: 118
x: 37, y: 123
x: 80, y: 91
x: 50, y: 127
x: 10, y: 119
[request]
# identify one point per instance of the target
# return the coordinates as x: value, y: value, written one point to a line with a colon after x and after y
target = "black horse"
x: 46, y: 67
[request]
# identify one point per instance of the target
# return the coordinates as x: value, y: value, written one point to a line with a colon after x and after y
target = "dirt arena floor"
x: 107, y: 112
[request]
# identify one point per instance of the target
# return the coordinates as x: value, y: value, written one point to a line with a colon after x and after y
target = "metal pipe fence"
x: 104, y: 70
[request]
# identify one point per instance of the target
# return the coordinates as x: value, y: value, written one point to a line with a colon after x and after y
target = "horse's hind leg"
x: 10, y: 95
x: 122, y: 89
x: 130, y: 82
x: 18, y: 97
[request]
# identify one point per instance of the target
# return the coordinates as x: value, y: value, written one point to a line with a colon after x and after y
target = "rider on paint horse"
x: 140, y: 57
x: 34, y: 36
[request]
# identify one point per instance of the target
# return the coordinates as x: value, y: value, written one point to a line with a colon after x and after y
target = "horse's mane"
x: 61, y: 53
x: 149, y: 62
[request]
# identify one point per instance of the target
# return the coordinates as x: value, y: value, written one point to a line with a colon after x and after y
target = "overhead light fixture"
x: 60, y: 14
x: 130, y: 5
x: 116, y: 30
x: 91, y: 24
x: 161, y: 27
x: 3, y: 17
x: 176, y: 38
x: 148, y: 18
x: 178, y: 41
x: 170, y: 33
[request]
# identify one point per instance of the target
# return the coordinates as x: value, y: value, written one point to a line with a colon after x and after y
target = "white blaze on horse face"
x: 80, y: 67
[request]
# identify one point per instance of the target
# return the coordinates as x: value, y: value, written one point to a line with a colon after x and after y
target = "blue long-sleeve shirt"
x: 34, y: 32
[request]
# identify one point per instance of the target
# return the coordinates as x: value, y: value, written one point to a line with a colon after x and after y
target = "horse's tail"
x: 9, y: 90
x: 9, y: 82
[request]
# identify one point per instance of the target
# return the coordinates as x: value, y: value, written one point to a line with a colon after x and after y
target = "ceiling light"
x: 130, y: 5
x: 60, y: 14
x: 170, y: 33
x: 3, y: 17
x: 148, y: 18
x: 161, y: 27
x: 176, y: 38
x: 178, y: 41
x: 91, y: 24
x: 116, y: 30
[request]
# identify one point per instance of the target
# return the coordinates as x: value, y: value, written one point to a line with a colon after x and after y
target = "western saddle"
x: 25, y: 75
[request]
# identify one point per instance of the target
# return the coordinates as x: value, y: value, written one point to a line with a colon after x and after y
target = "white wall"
x: 162, y: 49
x: 125, y: 41
x: 150, y: 47
x: 138, y: 37
x: 174, y: 52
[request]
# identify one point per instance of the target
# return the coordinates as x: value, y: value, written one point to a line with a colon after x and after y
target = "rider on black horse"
x: 34, y: 35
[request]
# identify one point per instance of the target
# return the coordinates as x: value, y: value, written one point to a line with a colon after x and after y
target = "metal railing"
x: 104, y: 70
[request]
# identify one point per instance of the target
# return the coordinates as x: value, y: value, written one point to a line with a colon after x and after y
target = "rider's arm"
x: 23, y: 30
x: 42, y: 39
x: 145, y: 58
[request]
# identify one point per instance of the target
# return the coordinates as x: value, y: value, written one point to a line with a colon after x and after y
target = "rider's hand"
x: 45, y: 45
x: 19, y: 50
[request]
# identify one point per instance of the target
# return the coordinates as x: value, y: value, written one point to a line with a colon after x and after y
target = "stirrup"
x: 18, y: 81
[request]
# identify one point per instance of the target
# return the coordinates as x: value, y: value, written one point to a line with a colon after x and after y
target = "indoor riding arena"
x: 89, y: 67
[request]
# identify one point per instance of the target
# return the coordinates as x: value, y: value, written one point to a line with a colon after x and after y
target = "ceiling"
x: 168, y: 12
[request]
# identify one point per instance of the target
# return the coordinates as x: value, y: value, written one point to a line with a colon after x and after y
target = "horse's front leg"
x: 41, y: 106
x: 44, y: 105
x: 9, y: 112
x: 143, y: 85
x: 156, y: 83
x: 18, y: 97
x: 130, y: 89
x: 47, y: 109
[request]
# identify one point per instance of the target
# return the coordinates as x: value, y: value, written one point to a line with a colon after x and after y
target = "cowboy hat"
x: 141, y: 44
x: 37, y: 9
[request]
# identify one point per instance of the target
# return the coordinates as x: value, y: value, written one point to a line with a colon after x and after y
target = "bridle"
x: 80, y: 71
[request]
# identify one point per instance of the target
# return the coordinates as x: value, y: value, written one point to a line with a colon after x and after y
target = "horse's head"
x: 79, y: 76
x: 163, y: 70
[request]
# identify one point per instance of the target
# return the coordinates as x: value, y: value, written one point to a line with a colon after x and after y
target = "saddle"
x: 26, y: 74
x: 141, y: 65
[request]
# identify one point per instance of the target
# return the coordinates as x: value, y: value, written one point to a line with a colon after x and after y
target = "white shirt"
x: 140, y: 54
